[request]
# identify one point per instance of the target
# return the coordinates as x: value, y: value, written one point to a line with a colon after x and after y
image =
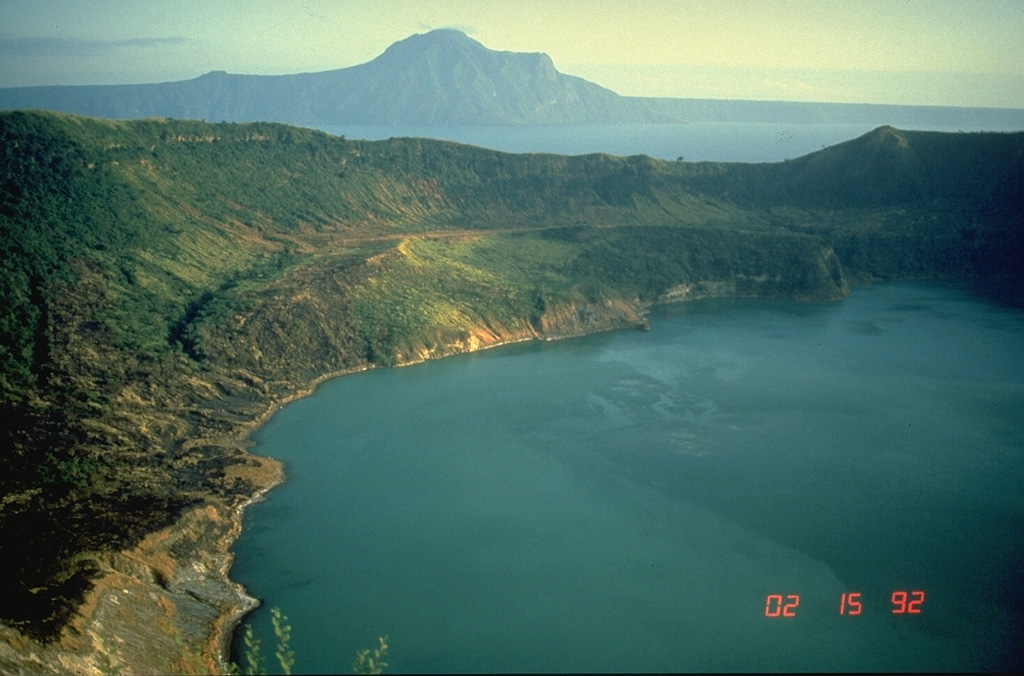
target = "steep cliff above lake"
x: 166, y: 284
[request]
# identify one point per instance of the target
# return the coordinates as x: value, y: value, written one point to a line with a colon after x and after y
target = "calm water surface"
x: 628, y: 501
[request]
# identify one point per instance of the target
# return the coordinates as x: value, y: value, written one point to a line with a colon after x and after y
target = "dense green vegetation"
x: 163, y: 281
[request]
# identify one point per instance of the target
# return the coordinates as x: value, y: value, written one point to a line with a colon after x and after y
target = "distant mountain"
x: 440, y: 77
x: 446, y: 78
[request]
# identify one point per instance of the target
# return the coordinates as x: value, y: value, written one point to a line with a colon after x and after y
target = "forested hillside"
x: 164, y: 283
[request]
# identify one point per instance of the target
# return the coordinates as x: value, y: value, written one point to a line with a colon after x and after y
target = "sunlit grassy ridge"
x: 437, y: 291
x: 166, y: 280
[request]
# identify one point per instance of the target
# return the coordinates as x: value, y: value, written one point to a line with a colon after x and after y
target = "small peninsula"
x: 168, y: 284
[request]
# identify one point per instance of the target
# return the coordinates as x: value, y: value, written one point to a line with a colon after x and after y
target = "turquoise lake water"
x: 630, y: 501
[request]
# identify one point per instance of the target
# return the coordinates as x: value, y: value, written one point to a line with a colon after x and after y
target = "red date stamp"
x: 850, y: 603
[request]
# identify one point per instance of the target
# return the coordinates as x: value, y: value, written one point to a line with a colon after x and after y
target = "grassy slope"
x: 164, y: 279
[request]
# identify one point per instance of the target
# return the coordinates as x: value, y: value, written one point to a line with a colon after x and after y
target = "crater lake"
x: 751, y: 485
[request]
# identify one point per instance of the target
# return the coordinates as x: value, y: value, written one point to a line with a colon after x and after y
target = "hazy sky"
x: 943, y: 52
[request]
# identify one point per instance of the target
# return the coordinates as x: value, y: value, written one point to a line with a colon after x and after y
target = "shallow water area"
x: 633, y: 501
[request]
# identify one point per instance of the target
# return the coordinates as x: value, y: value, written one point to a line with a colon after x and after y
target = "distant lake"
x: 695, y: 142
x: 656, y: 501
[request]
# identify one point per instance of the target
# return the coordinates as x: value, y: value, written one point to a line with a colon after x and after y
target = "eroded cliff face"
x: 562, y: 320
x: 165, y: 606
x: 823, y: 279
x: 581, y: 318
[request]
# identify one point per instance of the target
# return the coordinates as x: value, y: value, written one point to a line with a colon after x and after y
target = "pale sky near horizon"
x: 929, y: 52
